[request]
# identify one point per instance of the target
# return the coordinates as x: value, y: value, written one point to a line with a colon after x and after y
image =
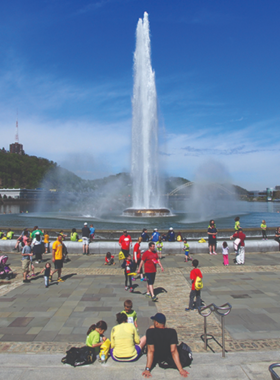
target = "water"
x: 144, y: 149
x: 251, y: 215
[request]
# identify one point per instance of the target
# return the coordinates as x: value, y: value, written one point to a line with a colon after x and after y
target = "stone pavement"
x: 39, y: 320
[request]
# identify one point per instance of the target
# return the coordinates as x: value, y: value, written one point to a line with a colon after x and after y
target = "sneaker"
x: 133, y: 279
x: 131, y: 290
x: 50, y: 278
x: 210, y: 253
x: 143, y: 279
x: 46, y: 286
x: 148, y: 295
x: 26, y: 281
x: 214, y: 253
x: 126, y: 288
x: 154, y: 298
x: 188, y: 309
x: 36, y: 262
x: 60, y: 280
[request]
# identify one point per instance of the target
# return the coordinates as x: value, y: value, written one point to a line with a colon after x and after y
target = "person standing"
x: 240, y: 257
x: 195, y: 272
x: 25, y: 256
x: 125, y: 243
x: 85, y: 238
x: 212, y: 233
x: 137, y: 258
x: 57, y: 257
x: 263, y: 228
x: 150, y: 260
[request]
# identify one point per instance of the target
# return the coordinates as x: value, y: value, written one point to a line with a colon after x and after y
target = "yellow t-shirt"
x: 46, y: 239
x: 57, y: 247
x: 123, y: 340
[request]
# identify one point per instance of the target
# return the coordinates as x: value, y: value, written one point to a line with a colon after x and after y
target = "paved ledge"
x: 102, y: 247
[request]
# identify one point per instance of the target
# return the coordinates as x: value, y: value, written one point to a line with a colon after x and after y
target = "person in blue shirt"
x: 145, y: 237
x: 92, y: 232
x: 155, y: 235
x: 170, y: 235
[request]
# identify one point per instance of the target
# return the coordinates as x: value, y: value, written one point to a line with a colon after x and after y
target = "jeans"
x: 46, y: 278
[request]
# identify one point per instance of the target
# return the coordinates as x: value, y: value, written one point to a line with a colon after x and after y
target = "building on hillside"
x: 27, y: 193
x: 16, y: 148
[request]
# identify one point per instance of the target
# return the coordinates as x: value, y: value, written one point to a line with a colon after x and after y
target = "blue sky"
x: 67, y: 67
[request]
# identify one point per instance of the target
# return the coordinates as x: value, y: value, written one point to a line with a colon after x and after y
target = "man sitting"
x: 162, y: 346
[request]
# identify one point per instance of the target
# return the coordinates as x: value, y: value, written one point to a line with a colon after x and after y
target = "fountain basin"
x: 147, y: 212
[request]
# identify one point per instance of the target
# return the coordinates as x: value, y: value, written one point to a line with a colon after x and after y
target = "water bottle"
x: 102, y: 357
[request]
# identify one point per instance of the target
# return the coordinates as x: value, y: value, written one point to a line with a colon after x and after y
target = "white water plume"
x: 144, y: 151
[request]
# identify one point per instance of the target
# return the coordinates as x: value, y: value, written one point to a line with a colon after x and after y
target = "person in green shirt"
x: 263, y: 227
x: 159, y: 245
x: 93, y: 336
x: 237, y: 224
x: 74, y: 236
x: 10, y: 234
x: 131, y: 314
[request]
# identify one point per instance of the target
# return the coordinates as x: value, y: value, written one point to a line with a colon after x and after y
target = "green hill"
x: 23, y: 171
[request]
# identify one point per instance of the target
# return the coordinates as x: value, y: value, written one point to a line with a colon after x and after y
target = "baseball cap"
x: 155, y: 229
x: 171, y: 228
x: 85, y: 224
x: 160, y: 318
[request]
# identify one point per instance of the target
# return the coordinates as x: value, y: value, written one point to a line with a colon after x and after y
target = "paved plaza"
x: 35, y: 320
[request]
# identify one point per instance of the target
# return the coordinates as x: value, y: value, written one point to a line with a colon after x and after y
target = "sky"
x: 66, y: 69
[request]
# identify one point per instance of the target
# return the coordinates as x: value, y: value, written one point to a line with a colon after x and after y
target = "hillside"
x: 23, y: 171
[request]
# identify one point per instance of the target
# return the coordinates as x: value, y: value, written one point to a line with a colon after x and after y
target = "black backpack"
x: 185, y: 354
x: 78, y: 356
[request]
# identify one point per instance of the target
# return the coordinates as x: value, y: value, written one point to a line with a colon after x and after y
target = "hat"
x: 160, y: 318
x: 85, y: 224
x: 155, y: 229
x: 171, y: 228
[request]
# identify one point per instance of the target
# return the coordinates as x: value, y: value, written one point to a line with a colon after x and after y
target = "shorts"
x: 58, y: 264
x: 25, y: 265
x: 151, y: 278
x: 85, y: 240
x: 138, y: 350
x: 46, y: 245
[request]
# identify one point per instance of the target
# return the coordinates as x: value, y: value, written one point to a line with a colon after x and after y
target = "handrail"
x: 222, y: 311
x: 272, y: 372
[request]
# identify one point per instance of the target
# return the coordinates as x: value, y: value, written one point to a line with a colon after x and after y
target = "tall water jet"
x: 144, y: 150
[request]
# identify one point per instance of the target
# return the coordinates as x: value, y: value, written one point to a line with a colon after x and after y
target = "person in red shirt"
x: 137, y: 258
x: 195, y: 272
x: 150, y: 260
x: 125, y: 243
x: 240, y: 256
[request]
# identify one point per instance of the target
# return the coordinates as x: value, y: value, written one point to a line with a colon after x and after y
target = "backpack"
x: 78, y: 356
x: 185, y: 355
x: 198, y: 283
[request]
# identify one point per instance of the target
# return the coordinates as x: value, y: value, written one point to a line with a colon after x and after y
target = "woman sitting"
x: 93, y: 336
x: 126, y: 346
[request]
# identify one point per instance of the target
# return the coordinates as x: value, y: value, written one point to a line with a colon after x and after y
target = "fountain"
x: 144, y: 150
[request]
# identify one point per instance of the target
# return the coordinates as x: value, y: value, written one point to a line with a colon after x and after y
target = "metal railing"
x: 222, y: 311
x: 274, y: 375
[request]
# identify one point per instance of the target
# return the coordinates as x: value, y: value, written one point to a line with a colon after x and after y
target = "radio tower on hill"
x: 16, y: 148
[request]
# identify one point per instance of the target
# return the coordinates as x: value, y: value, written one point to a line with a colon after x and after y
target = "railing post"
x: 223, y: 336
x: 205, y: 334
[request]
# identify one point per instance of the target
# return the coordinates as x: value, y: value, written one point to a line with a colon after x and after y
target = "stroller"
x: 5, y: 271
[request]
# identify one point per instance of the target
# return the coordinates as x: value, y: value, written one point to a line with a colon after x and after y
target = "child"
x: 47, y: 274
x: 195, y: 272
x: 159, y: 246
x: 93, y: 336
x: 46, y: 241
x: 131, y: 314
x: 263, y: 227
x: 187, y: 250
x: 127, y: 265
x: 225, y: 253
x: 26, y: 254
x: 237, y: 224
x: 109, y: 259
